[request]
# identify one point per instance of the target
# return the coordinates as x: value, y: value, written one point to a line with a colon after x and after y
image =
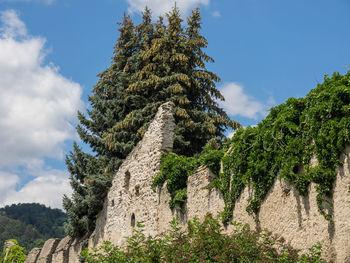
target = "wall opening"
x: 133, y: 220
x: 127, y: 180
x: 112, y: 202
x: 137, y: 190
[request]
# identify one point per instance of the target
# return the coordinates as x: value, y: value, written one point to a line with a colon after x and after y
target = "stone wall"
x: 66, y: 250
x: 297, y: 218
x: 131, y: 199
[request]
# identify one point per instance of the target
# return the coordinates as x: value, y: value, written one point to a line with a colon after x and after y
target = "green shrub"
x: 16, y: 253
x: 203, y: 242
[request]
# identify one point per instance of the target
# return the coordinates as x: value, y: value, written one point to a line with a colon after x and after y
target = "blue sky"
x: 51, y: 50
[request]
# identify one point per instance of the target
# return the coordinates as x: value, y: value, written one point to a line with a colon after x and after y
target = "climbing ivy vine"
x: 280, y: 145
x: 284, y: 143
x: 175, y: 169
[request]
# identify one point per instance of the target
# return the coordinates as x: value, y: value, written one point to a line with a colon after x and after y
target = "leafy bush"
x: 203, y: 242
x: 15, y: 253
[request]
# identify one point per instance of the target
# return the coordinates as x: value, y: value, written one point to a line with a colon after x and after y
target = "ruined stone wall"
x: 131, y: 199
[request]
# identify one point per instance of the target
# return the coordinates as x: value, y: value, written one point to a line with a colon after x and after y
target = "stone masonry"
x: 131, y: 199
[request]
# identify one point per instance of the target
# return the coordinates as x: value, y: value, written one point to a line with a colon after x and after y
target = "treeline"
x: 30, y: 224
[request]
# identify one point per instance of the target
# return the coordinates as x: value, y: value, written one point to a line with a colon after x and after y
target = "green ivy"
x: 285, y: 141
x: 175, y: 169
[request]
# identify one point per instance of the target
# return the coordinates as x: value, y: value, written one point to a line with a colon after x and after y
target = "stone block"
x: 48, y: 249
x: 33, y: 255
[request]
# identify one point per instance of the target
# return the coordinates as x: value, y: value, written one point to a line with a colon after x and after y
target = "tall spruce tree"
x: 91, y: 174
x: 174, y: 70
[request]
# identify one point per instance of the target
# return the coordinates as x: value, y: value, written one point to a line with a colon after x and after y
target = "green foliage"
x: 175, y: 169
x: 90, y: 184
x: 285, y: 141
x: 15, y: 254
x: 30, y: 224
x: 212, y: 159
x: 203, y: 242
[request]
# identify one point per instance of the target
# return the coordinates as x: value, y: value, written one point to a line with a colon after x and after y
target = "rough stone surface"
x: 61, y: 254
x: 33, y: 255
x: 46, y: 252
x: 202, y: 201
x: 131, y: 199
x: 74, y: 251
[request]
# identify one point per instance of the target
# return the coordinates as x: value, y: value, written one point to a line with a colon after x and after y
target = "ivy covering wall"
x: 281, y: 145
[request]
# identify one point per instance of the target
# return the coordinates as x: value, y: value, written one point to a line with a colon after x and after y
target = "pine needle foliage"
x: 173, y: 68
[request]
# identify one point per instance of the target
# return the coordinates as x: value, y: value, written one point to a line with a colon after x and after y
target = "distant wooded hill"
x: 30, y: 224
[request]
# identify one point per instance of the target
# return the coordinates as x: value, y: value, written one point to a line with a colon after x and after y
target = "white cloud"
x: 12, y: 25
x: 37, y: 105
x: 38, y: 109
x: 48, y: 188
x: 160, y: 7
x: 237, y: 102
x: 216, y: 14
x: 7, y: 183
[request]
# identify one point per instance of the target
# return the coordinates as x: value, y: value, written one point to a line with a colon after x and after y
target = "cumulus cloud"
x: 12, y: 26
x: 8, y: 182
x: 160, y: 7
x: 47, y: 188
x: 237, y: 102
x: 38, y: 109
x: 37, y: 104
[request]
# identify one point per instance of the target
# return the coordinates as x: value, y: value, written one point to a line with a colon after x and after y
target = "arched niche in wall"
x: 133, y: 220
x: 127, y: 180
